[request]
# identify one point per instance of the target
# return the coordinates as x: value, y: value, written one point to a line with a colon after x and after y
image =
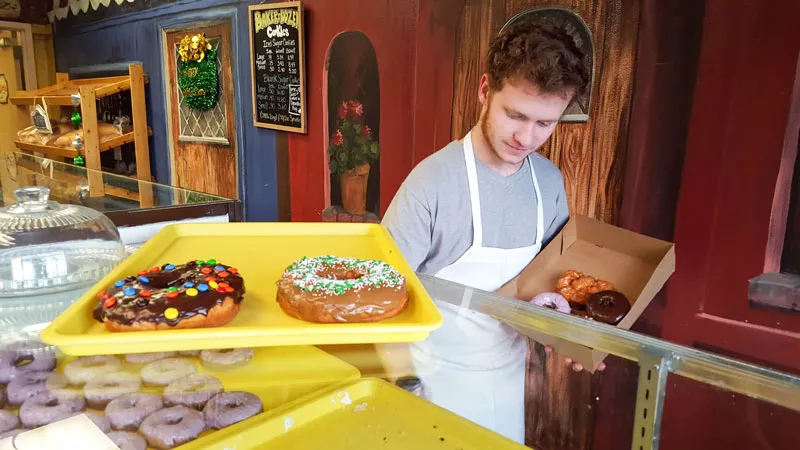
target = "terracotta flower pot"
x: 354, y: 190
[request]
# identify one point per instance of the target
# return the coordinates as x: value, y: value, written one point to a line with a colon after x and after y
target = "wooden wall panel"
x: 591, y: 155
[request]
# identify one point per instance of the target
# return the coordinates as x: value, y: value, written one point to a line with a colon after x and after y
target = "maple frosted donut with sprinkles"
x: 331, y: 289
x: 198, y: 294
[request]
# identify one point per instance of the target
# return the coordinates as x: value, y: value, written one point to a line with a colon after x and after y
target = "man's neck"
x: 484, y: 153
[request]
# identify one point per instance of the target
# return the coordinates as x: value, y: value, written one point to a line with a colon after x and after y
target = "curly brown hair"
x: 541, y: 53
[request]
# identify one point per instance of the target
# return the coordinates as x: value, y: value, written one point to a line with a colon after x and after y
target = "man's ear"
x: 483, y: 89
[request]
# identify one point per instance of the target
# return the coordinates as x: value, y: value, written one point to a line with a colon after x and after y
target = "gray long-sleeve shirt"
x: 430, y: 217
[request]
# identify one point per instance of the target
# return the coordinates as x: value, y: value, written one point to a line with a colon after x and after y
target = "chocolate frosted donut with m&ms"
x: 198, y: 294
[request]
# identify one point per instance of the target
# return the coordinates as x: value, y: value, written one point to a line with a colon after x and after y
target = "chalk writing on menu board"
x: 276, y: 36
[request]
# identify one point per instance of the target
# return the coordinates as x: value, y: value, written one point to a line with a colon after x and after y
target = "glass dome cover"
x: 48, y: 247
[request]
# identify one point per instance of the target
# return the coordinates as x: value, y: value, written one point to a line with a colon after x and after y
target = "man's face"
x: 518, y: 119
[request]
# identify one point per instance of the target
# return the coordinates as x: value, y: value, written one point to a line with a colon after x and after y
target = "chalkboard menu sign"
x: 276, y: 61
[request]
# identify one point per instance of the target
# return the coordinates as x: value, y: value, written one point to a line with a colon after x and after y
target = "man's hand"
x: 576, y: 366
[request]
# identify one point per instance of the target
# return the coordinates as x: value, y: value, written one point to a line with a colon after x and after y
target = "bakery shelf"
x: 105, y: 146
x: 61, y: 93
x: 85, y: 93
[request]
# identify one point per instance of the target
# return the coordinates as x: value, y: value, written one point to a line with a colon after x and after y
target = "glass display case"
x: 345, y: 396
x: 126, y: 201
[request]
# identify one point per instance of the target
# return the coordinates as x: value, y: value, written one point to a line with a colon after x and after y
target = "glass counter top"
x: 652, y: 369
x: 102, y: 191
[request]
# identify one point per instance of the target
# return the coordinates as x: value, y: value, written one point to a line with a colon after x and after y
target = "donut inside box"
x: 637, y: 265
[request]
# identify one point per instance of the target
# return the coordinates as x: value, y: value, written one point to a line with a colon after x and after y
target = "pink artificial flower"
x: 366, y: 132
x: 355, y: 108
x: 341, y: 113
x: 337, y: 138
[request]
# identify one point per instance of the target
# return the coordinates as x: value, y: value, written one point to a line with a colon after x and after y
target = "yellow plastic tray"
x: 278, y: 375
x: 261, y: 252
x: 366, y: 414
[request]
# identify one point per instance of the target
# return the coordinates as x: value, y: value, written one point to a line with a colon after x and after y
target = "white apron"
x: 474, y: 365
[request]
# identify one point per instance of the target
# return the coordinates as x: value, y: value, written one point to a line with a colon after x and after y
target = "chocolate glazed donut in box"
x: 597, y: 268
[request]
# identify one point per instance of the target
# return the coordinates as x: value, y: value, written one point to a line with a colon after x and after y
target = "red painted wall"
x: 414, y: 42
x: 731, y: 211
x: 390, y: 26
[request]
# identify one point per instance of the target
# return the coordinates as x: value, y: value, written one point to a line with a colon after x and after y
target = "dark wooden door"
x: 203, y: 143
x: 731, y: 223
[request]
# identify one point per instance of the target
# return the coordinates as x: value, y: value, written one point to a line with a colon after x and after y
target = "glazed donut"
x: 189, y: 353
x: 228, y: 408
x: 193, y: 391
x: 576, y: 287
x: 57, y: 384
x: 165, y: 371
x: 26, y: 385
x: 553, y: 301
x: 8, y: 421
x: 101, y: 390
x: 329, y: 289
x: 608, y: 306
x: 128, y: 411
x: 126, y: 440
x: 171, y: 427
x: 85, y: 368
x: 33, y: 356
x: 146, y: 358
x: 198, y: 294
x: 45, y: 408
x: 225, y: 358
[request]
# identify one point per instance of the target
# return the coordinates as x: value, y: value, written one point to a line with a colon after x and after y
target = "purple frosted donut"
x: 7, y: 359
x: 171, y: 427
x: 12, y: 433
x: 101, y: 390
x: 8, y: 421
x: 128, y: 412
x: 227, y: 408
x: 99, y: 420
x: 26, y: 385
x: 45, y: 408
x: 126, y: 440
x: 193, y: 390
x: 33, y: 356
x: 552, y: 300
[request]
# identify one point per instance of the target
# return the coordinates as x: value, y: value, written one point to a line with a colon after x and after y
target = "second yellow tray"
x: 261, y: 252
x: 365, y: 414
x: 279, y: 376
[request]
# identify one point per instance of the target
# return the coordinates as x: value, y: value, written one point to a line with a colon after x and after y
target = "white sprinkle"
x: 346, y: 399
x: 360, y: 407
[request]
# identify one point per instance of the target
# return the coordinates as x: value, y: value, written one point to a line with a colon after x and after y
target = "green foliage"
x: 198, y: 82
x: 352, y: 143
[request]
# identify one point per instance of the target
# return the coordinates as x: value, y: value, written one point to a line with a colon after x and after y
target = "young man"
x: 478, y: 211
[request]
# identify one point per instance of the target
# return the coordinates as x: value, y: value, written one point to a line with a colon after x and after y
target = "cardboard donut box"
x: 637, y: 265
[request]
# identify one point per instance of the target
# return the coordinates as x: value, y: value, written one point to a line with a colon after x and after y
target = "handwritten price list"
x: 276, y: 67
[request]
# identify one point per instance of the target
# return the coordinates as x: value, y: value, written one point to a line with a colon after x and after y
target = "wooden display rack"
x: 89, y: 90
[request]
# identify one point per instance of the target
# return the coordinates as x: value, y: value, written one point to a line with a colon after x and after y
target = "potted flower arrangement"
x: 351, y: 151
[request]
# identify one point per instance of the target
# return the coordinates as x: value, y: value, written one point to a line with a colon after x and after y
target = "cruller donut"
x: 198, y: 294
x: 330, y: 289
